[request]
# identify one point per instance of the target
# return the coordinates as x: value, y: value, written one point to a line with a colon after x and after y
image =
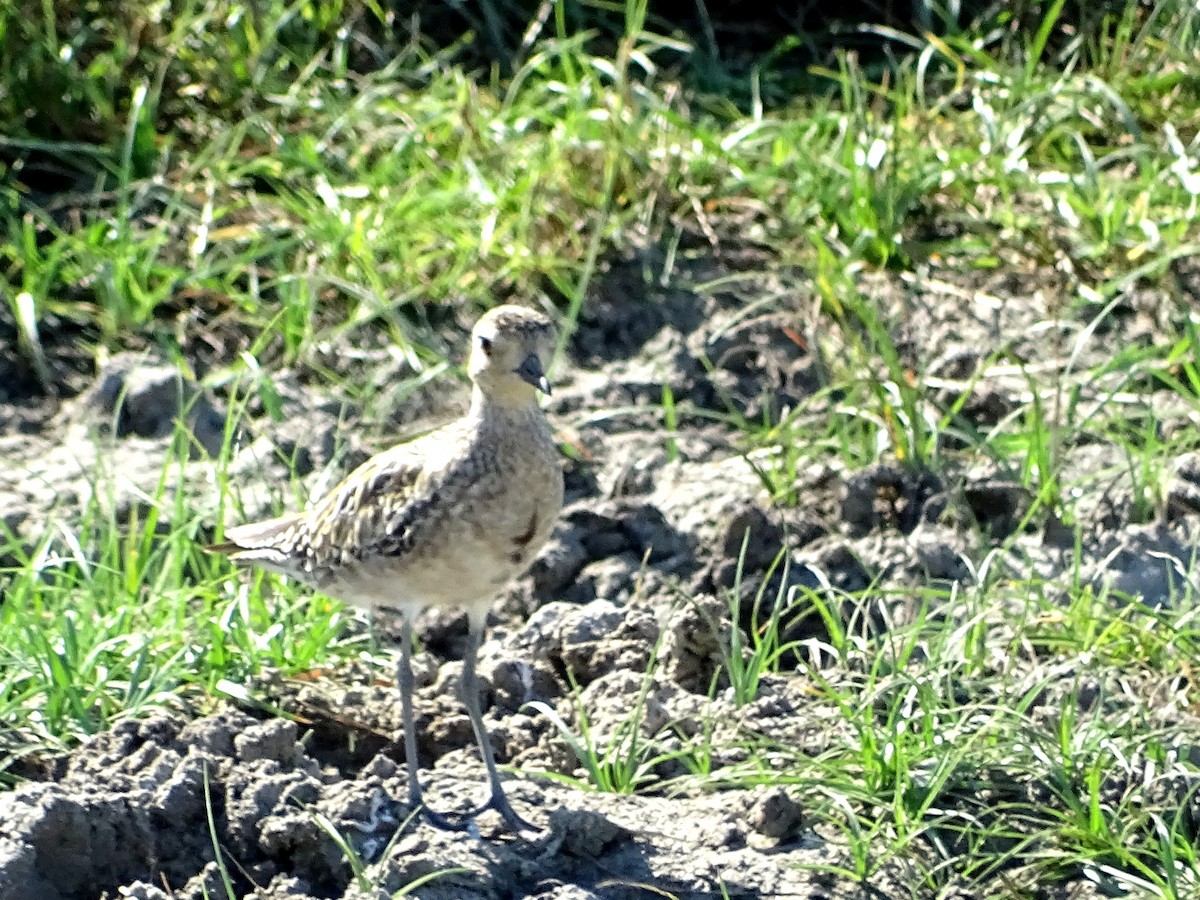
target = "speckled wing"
x: 371, y: 512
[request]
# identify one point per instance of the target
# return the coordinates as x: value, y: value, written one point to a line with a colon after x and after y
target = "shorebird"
x: 445, y: 520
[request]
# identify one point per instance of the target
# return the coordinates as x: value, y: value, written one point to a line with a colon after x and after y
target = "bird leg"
x: 469, y: 686
x: 470, y: 696
x: 404, y: 677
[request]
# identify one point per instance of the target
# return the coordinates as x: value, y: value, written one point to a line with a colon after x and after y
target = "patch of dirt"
x: 131, y: 815
x: 666, y: 540
x: 32, y: 385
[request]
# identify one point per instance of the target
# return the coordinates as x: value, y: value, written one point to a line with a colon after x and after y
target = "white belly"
x: 468, y: 578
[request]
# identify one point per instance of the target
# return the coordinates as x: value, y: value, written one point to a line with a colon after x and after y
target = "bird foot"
x: 462, y: 822
x: 466, y: 821
x: 500, y: 804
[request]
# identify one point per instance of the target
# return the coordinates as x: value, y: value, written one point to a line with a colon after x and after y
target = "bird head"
x: 510, y: 349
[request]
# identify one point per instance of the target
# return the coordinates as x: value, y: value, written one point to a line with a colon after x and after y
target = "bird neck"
x: 497, y: 406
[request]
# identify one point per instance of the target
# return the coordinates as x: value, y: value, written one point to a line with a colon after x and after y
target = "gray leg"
x: 404, y: 677
x: 470, y: 696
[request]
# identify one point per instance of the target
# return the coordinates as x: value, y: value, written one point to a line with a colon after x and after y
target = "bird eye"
x: 485, y: 344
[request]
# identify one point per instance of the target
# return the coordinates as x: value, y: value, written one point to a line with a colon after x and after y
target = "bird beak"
x: 532, y: 372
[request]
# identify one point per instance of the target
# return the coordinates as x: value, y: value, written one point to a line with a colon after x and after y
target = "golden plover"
x: 445, y: 520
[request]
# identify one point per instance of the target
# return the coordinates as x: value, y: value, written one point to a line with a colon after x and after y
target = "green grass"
x: 936, y: 761
x: 112, y: 617
x: 305, y: 178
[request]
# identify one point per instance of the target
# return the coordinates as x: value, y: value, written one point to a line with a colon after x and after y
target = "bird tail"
x: 259, y: 542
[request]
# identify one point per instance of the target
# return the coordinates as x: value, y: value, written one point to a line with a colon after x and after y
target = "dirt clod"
x: 774, y: 814
x: 148, y: 399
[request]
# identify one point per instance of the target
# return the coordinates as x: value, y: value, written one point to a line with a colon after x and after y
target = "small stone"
x: 695, y: 640
x: 585, y: 834
x: 559, y: 562
x: 150, y: 400
x: 653, y: 537
x: 887, y: 495
x: 774, y: 814
x: 749, y: 527
x: 997, y: 505
x: 942, y: 562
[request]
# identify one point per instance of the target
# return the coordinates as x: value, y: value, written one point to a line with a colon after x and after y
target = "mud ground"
x: 636, y: 580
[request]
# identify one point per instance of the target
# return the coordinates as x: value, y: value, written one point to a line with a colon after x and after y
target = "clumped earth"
x: 633, y: 602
